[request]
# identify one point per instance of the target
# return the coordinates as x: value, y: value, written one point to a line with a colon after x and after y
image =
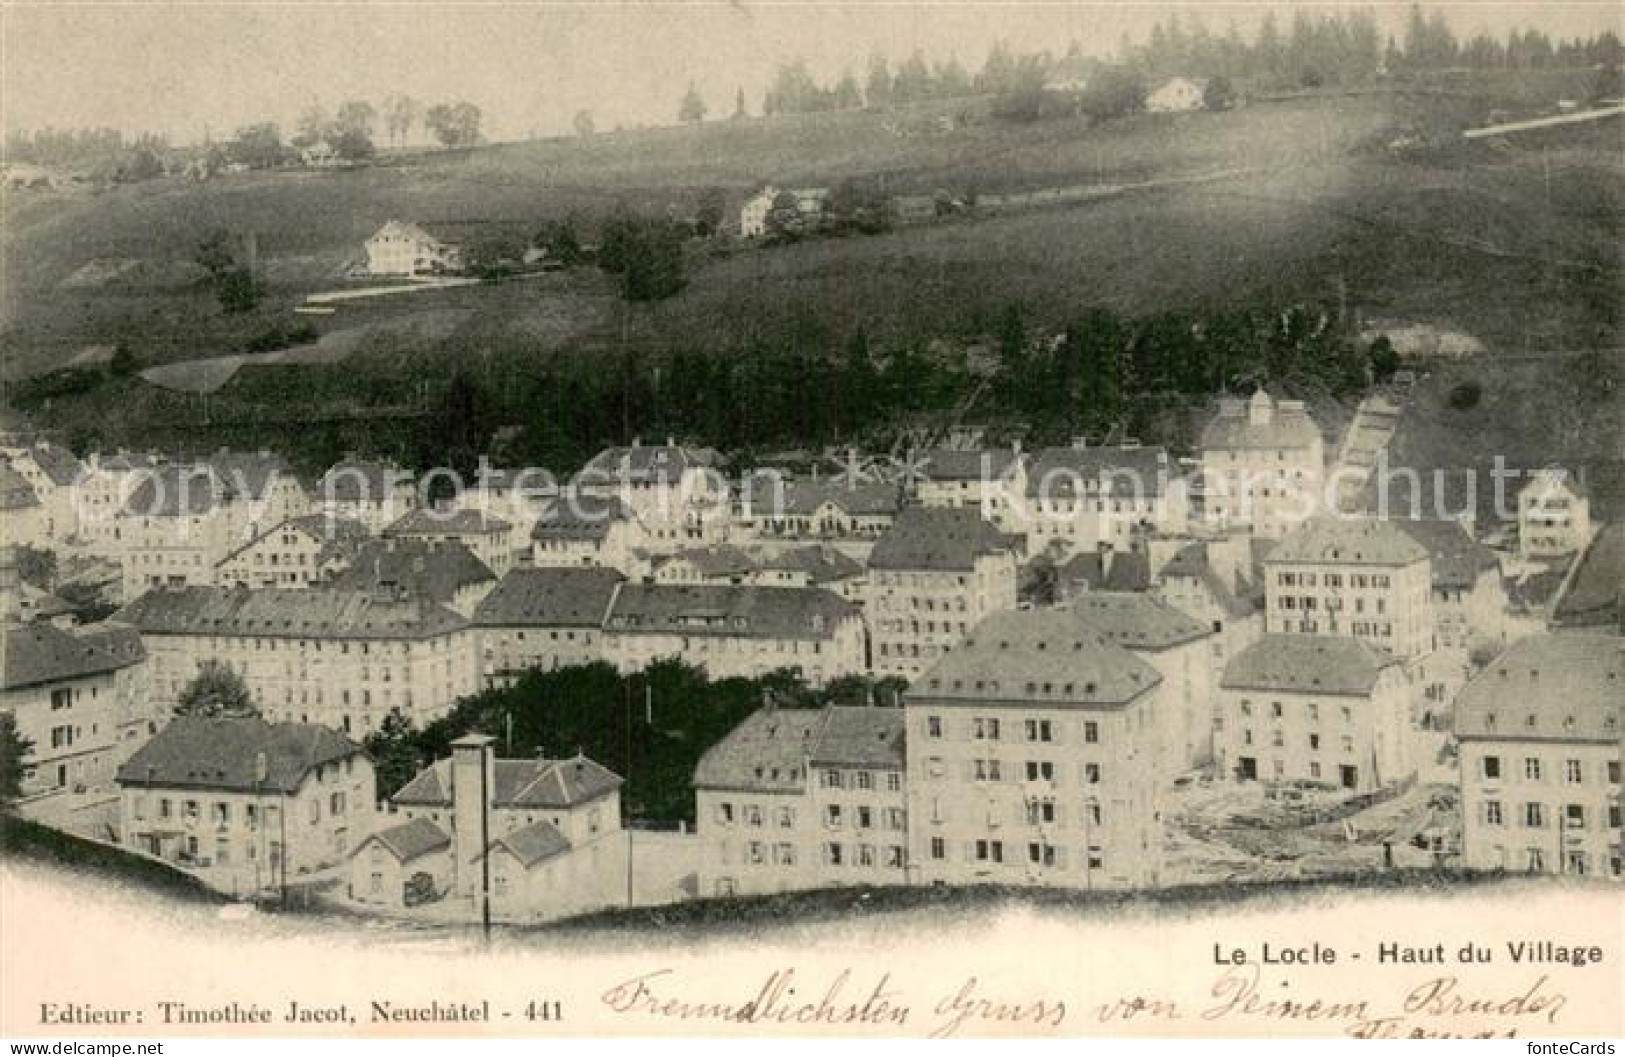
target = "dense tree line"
x: 650, y: 728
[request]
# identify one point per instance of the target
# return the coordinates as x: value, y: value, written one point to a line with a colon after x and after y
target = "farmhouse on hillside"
x: 1176, y: 95
x: 404, y: 248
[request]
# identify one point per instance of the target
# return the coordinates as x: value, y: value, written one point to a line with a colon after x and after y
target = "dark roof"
x: 15, y: 491
x: 946, y: 538
x: 1041, y: 657
x: 325, y: 613
x: 1125, y: 571
x: 769, y: 494
x: 950, y: 464
x: 1307, y: 664
x: 1458, y: 559
x: 532, y: 844
x: 424, y: 521
x: 1287, y: 426
x: 1191, y: 562
x: 340, y: 537
x: 537, y: 783
x: 412, y: 840
x: 547, y: 598
x: 771, y: 749
x: 55, y: 461
x: 1127, y: 473
x: 728, y: 609
x: 1137, y: 620
x: 822, y: 564
x: 222, y: 754
x: 432, y: 570
x: 248, y: 474
x: 1594, y: 597
x: 1348, y: 541
x: 642, y: 464
x: 579, y: 517
x: 354, y: 480
x: 723, y: 559
x: 41, y: 652
x: 1568, y: 686
x: 174, y: 491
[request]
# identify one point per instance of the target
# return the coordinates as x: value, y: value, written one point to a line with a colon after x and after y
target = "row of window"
x: 1379, y: 581
x: 993, y: 728
x: 1534, y: 770
x: 833, y: 778
x: 1534, y: 815
x: 1278, y: 740
x: 1039, y: 853
x: 1278, y: 710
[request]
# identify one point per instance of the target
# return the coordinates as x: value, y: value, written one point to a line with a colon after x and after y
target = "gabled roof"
x: 1594, y: 597
x: 412, y: 840
x: 1348, y: 541
x: 771, y: 749
x: 532, y: 844
x: 951, y: 464
x: 642, y: 464
x: 770, y: 495
x: 822, y: 564
x: 423, y: 521
x: 1136, y: 620
x: 1191, y: 562
x: 423, y: 567
x: 15, y: 491
x: 1042, y: 657
x: 313, y: 613
x: 1458, y: 559
x: 1568, y: 686
x: 339, y: 537
x: 537, y: 783
x: 549, y: 598
x: 742, y: 611
x: 1120, y: 472
x: 55, y: 461
x: 1308, y: 664
x: 722, y: 559
x: 1286, y: 425
x: 1126, y: 571
x: 579, y: 517
x: 223, y: 754
x: 939, y: 538
x: 174, y: 490
x: 356, y: 480
x: 39, y: 653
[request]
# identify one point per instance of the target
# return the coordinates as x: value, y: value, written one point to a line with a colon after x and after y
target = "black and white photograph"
x: 811, y: 519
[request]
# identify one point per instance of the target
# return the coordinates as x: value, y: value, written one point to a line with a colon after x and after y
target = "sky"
x: 189, y: 69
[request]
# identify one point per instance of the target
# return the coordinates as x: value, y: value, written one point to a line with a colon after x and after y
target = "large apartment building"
x: 544, y: 618
x: 1263, y: 466
x: 803, y: 798
x: 933, y: 577
x: 1540, y: 737
x: 1080, y: 497
x: 1035, y: 757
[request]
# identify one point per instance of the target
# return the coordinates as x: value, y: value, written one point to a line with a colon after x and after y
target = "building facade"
x: 544, y: 619
x: 1554, y: 515
x: 1263, y: 466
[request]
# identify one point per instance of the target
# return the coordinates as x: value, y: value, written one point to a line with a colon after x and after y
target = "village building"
x: 1208, y: 581
x: 344, y: 659
x: 1540, y: 742
x: 736, y: 632
x: 991, y: 481
x: 77, y: 696
x: 1361, y: 577
x: 1263, y: 466
x: 299, y: 552
x: 544, y: 619
x: 1329, y: 709
x: 816, y: 565
x: 932, y: 577
x: 773, y: 508
x: 722, y: 563
x: 373, y: 492
x: 797, y: 798
x: 811, y: 203
x: 1080, y: 497
x: 540, y: 838
x: 447, y: 573
x: 1469, y: 599
x: 1177, y: 95
x: 1035, y: 758
x: 249, y: 806
x: 490, y: 538
x: 519, y: 497
x: 581, y: 530
x: 24, y: 514
x: 1180, y: 648
x: 1103, y: 569
x: 1554, y: 515
x: 101, y: 495
x: 674, y: 492
x: 405, y: 248
x: 53, y: 472
x: 1592, y: 597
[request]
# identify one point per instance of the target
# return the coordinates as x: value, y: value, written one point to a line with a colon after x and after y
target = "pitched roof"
x: 412, y: 840
x: 951, y: 464
x: 247, y: 474
x: 822, y: 564
x: 770, y: 750
x: 746, y: 611
x: 1307, y: 664
x: 1136, y: 620
x: 39, y: 653
x: 1045, y: 657
x: 316, y: 613
x: 722, y: 559
x: 1191, y: 562
x: 945, y: 538
x: 1458, y: 559
x: 771, y: 495
x: 1567, y: 686
x: 422, y: 567
x: 55, y: 461
x: 424, y: 521
x: 174, y: 490
x: 339, y: 537
x: 579, y: 517
x: 537, y: 783
x: 1128, y: 571
x: 1287, y: 425
x: 223, y: 754
x: 1122, y: 472
x: 1594, y: 597
x: 532, y: 844
x: 15, y: 491
x: 547, y: 598
x: 1348, y: 541
x: 353, y: 480
x: 642, y: 464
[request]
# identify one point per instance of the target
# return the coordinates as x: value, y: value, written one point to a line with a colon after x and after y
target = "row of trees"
x: 351, y: 130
